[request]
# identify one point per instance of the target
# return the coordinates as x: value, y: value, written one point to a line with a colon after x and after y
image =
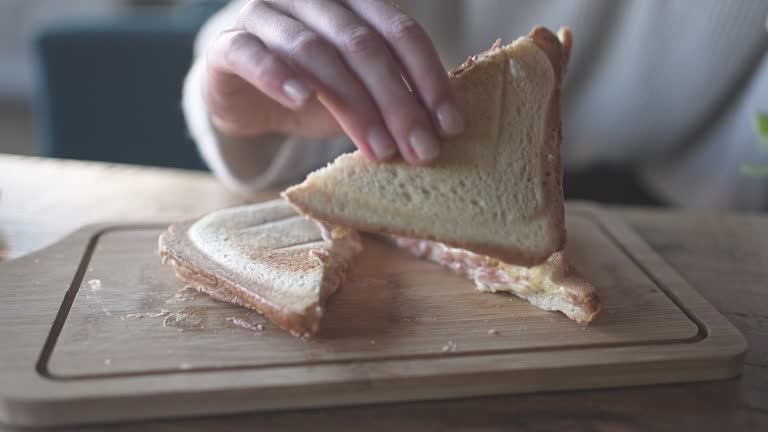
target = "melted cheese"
x: 487, y: 273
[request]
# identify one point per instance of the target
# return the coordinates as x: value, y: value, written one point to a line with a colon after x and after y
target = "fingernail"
x: 297, y: 91
x: 449, y: 119
x: 383, y: 146
x: 424, y: 144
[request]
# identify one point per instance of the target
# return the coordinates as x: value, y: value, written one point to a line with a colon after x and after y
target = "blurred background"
x: 101, y: 80
x: 60, y: 62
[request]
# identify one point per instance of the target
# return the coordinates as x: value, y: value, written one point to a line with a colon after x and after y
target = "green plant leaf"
x: 754, y: 170
x: 761, y: 128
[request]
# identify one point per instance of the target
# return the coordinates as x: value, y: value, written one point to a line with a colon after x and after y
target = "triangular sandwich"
x: 494, y: 190
x: 265, y: 257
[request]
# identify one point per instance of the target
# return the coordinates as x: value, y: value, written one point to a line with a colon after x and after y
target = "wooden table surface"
x: 724, y: 256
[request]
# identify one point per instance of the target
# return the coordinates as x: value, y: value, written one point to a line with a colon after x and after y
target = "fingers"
x: 243, y: 54
x: 337, y: 86
x: 368, y: 57
x: 415, y: 51
x: 354, y: 55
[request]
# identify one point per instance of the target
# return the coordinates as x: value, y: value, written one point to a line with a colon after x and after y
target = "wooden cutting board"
x: 95, y: 328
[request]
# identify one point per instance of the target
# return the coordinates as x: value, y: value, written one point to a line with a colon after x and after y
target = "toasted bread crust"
x: 195, y: 268
x: 558, y: 51
x: 176, y: 250
x: 577, y: 298
x: 503, y: 254
x: 552, y: 209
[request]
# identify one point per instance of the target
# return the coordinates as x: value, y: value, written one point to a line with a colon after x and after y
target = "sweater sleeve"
x: 707, y: 175
x: 247, y: 164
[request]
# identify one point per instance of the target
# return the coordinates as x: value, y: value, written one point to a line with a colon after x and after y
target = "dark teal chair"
x: 110, y: 89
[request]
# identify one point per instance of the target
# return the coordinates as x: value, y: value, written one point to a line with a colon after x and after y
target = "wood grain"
x: 45, y: 199
x: 402, y: 329
x: 393, y: 305
x: 722, y: 256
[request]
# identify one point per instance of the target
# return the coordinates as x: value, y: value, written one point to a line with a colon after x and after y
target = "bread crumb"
x: 372, y: 342
x: 162, y: 312
x: 107, y: 362
x: 245, y: 324
x: 188, y: 317
x: 493, y: 332
x: 94, y: 284
x: 185, y: 294
x: 450, y: 346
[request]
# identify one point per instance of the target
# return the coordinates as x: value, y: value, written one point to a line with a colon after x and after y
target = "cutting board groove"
x: 96, y: 329
x: 659, y: 283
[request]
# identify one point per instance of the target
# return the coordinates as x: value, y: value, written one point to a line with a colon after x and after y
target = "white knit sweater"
x: 668, y: 87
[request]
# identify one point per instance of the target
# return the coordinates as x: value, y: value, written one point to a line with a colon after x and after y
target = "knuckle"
x: 248, y: 10
x: 405, y: 28
x: 237, y: 42
x: 238, y: 46
x: 243, y: 48
x: 305, y: 43
x: 360, y: 40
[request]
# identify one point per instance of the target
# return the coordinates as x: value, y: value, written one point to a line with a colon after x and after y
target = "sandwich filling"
x: 552, y: 285
x: 488, y: 273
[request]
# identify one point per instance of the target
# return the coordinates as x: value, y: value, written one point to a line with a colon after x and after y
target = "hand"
x: 315, y: 67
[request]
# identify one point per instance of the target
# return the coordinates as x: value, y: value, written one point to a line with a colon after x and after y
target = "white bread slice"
x: 265, y: 257
x: 495, y: 190
x: 553, y: 285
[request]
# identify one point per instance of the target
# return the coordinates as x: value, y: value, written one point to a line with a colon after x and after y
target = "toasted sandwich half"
x: 495, y: 190
x: 265, y: 257
x: 553, y: 285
